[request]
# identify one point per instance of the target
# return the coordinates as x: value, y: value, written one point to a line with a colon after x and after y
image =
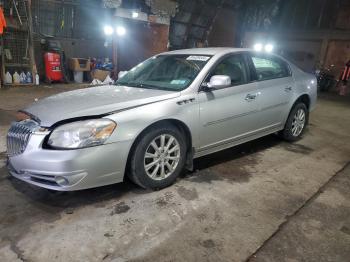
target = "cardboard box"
x: 99, y: 74
x: 79, y: 64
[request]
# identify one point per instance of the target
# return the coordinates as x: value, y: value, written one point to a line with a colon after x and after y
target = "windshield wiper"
x: 146, y: 86
x: 138, y: 84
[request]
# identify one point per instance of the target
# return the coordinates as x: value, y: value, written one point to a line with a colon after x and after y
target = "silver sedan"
x: 158, y: 117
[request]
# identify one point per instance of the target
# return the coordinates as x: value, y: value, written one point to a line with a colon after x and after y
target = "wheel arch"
x: 305, y: 98
x: 183, y: 128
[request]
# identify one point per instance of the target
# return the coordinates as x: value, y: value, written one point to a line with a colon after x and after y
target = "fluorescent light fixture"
x: 108, y: 30
x: 135, y: 14
x: 258, y: 47
x: 121, y: 30
x: 269, y: 48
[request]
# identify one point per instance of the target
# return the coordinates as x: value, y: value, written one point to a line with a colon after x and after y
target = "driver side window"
x: 232, y: 66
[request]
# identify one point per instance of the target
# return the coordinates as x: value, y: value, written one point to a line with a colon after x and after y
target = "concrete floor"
x: 266, y: 200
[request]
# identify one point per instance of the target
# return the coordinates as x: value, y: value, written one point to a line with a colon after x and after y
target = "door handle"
x: 288, y: 89
x: 250, y: 97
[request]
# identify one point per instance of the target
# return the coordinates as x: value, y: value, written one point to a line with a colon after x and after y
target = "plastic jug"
x: 8, y: 78
x: 22, y: 78
x: 36, y: 79
x: 29, y: 78
x: 16, y: 78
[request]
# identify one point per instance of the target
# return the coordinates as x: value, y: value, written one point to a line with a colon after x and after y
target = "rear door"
x: 275, y: 84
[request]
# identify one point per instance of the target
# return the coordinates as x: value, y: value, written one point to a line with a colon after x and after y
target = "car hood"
x: 93, y: 101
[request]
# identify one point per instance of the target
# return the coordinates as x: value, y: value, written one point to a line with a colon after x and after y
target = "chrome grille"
x: 18, y: 136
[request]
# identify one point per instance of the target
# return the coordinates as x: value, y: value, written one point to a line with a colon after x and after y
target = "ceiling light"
x: 268, y: 48
x: 121, y: 30
x: 258, y: 47
x: 108, y: 30
x: 135, y: 14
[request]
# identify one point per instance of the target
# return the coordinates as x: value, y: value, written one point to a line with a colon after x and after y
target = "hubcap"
x: 298, y: 122
x: 162, y: 157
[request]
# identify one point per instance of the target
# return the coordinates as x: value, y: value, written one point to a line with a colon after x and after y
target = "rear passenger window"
x: 270, y: 67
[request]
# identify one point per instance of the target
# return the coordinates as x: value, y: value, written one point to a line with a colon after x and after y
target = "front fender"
x: 131, y: 123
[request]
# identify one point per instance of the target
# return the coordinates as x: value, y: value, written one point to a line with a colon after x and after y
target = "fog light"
x: 62, y: 181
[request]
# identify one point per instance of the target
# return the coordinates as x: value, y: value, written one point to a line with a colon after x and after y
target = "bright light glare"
x: 135, y: 14
x: 108, y: 30
x: 258, y: 47
x: 268, y: 48
x: 121, y: 30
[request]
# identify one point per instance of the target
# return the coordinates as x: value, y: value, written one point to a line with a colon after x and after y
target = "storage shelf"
x: 16, y: 65
x: 29, y: 84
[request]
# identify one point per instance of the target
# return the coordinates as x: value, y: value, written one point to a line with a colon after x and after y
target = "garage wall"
x: 303, y: 53
x: 69, y: 19
x: 311, y: 33
x: 343, y: 19
x: 141, y: 41
x: 78, y: 27
x: 224, y: 29
x: 74, y: 48
x: 337, y: 54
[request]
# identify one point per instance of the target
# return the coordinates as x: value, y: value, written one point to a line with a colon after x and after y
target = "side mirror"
x: 218, y: 81
x: 122, y: 73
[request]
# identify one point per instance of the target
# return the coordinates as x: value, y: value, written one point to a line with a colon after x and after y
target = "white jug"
x: 36, y: 79
x: 16, y: 78
x: 8, y: 78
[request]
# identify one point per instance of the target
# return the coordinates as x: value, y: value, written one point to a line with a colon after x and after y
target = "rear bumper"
x: 68, y: 170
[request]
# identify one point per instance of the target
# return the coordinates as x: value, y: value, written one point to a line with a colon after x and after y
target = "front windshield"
x: 165, y: 72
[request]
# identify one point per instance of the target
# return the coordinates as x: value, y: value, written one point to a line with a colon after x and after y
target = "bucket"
x: 78, y: 77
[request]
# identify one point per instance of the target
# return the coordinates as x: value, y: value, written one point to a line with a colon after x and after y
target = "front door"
x: 229, y: 113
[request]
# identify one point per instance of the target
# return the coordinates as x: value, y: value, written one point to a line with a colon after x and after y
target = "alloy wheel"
x: 162, y: 157
x: 298, y: 122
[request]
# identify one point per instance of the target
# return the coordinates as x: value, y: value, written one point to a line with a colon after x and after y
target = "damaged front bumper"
x: 68, y: 170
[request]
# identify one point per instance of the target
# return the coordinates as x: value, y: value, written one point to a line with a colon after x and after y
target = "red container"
x: 53, y: 67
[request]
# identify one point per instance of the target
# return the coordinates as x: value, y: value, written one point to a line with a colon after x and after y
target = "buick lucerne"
x: 158, y: 117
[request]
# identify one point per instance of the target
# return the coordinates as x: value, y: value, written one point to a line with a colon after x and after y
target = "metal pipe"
x: 19, y: 17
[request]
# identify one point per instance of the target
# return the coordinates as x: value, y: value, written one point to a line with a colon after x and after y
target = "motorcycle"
x: 326, y: 79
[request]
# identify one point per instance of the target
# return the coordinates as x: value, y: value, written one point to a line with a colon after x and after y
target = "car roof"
x: 206, y: 51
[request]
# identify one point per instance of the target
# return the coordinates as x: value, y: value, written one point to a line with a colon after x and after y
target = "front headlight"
x: 82, y: 133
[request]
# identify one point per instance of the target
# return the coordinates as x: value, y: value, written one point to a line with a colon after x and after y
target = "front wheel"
x: 158, y: 157
x: 296, y: 123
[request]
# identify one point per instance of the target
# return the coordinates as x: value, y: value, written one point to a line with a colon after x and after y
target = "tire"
x: 144, y: 171
x: 294, y: 121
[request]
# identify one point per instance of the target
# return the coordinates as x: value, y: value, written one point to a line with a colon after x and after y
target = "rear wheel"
x: 296, y: 123
x: 158, y: 157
